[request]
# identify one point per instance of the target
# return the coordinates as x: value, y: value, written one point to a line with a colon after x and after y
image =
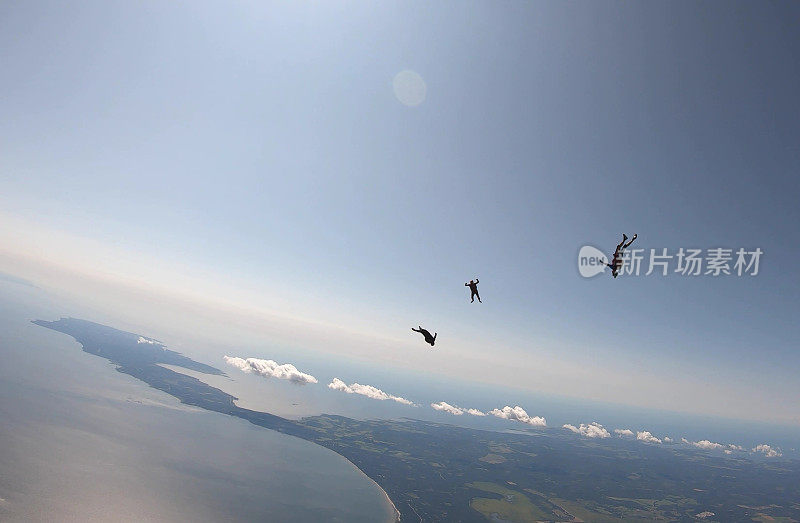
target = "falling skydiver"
x: 428, y: 338
x: 473, y: 289
x: 616, y: 263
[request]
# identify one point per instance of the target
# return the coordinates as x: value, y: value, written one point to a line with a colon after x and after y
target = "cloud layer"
x: 592, y: 430
x: 366, y: 390
x: 287, y: 371
x: 518, y: 414
x: 271, y: 369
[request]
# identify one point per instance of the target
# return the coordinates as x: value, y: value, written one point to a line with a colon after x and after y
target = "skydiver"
x: 428, y: 338
x: 473, y: 288
x: 616, y: 263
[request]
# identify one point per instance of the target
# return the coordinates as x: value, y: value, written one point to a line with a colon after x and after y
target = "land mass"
x: 439, y: 472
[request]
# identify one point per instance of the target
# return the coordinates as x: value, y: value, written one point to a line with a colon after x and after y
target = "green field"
x: 514, y: 505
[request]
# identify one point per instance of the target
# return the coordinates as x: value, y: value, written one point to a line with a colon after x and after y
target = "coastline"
x: 396, y: 517
x: 393, y: 513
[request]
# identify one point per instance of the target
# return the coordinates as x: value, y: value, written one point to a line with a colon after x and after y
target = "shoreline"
x: 200, y: 376
x: 396, y: 518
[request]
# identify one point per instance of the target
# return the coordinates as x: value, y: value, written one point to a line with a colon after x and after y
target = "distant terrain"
x: 438, y: 472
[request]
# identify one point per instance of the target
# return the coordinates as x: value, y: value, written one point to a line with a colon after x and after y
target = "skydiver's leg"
x: 478, y: 296
x: 629, y: 243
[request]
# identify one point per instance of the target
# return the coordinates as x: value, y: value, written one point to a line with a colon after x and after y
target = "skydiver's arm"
x: 477, y: 281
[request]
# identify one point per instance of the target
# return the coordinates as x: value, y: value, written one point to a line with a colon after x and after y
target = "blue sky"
x: 260, y: 146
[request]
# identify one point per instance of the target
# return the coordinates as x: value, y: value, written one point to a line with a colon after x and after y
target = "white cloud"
x: 707, y: 445
x: 446, y: 407
x: 710, y: 445
x: 592, y: 430
x: 142, y: 339
x: 366, y: 390
x: 768, y: 451
x: 271, y: 369
x: 455, y: 411
x: 518, y: 414
x: 645, y: 436
x: 623, y: 432
x: 667, y: 439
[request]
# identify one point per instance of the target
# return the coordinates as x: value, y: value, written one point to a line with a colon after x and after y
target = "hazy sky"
x: 255, y: 156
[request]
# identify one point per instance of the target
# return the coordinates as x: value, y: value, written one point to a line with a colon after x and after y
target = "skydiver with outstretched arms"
x: 473, y: 288
x: 428, y: 338
x: 616, y: 263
